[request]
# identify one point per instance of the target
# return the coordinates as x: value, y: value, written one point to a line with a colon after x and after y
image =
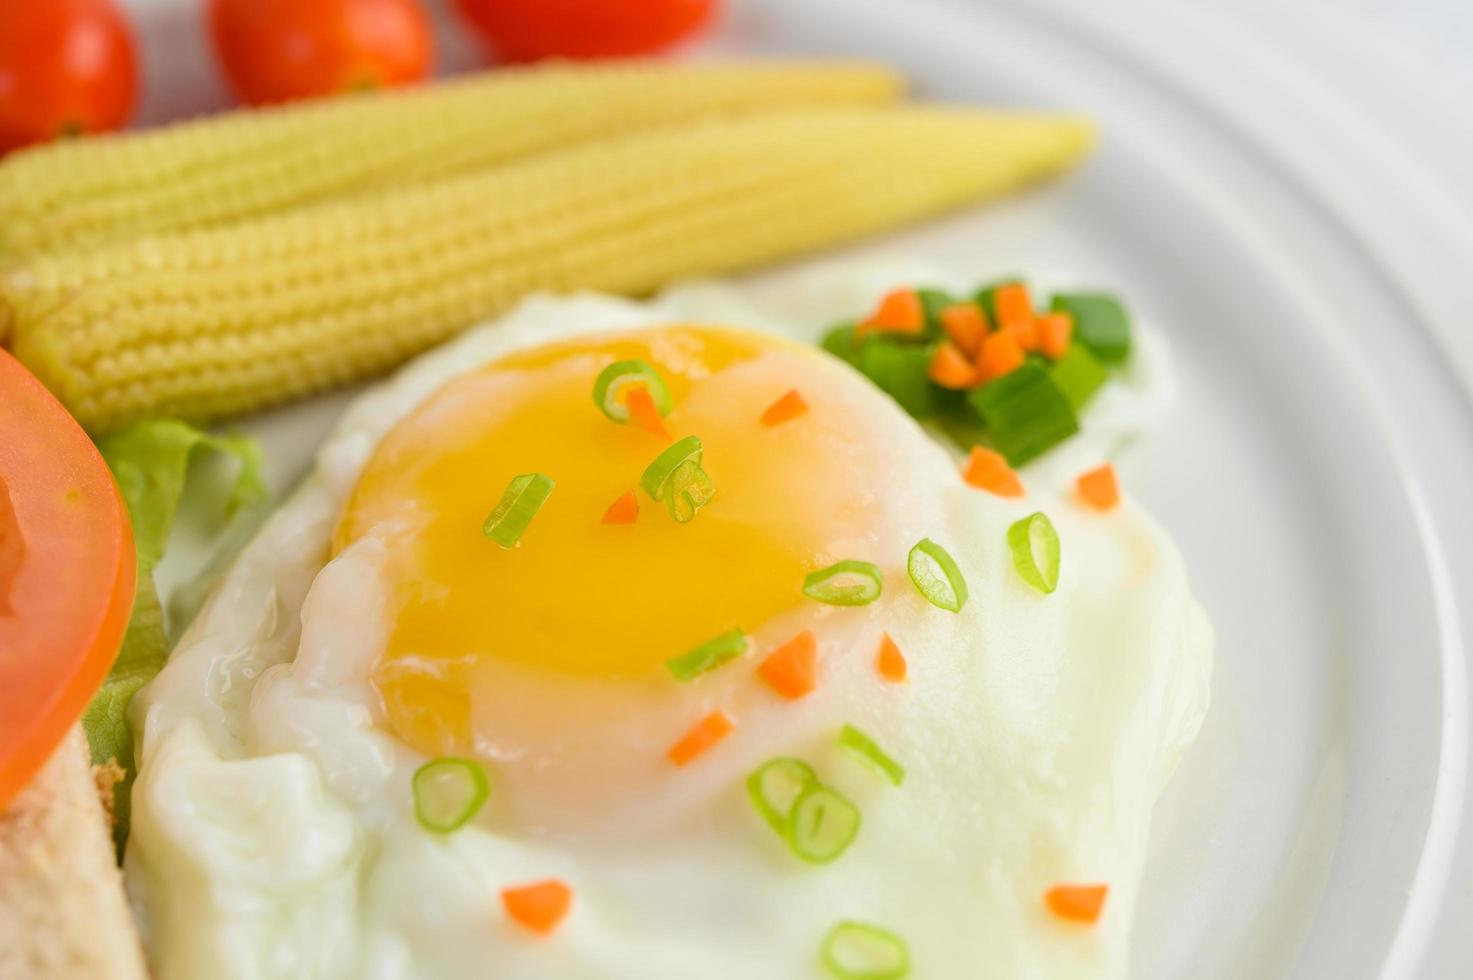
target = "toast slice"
x: 62, y: 909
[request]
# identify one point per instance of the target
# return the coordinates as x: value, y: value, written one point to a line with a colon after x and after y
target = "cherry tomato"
x: 66, y: 66
x: 277, y: 50
x: 66, y: 574
x: 526, y: 30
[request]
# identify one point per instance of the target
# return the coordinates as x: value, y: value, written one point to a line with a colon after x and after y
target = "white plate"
x: 1316, y: 474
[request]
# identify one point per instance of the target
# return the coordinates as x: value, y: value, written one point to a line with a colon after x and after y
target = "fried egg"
x: 371, y: 626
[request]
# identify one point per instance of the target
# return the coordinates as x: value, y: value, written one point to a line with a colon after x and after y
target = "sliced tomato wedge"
x: 66, y: 574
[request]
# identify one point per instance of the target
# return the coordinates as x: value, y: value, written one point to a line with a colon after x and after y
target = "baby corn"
x: 208, y: 324
x: 83, y: 193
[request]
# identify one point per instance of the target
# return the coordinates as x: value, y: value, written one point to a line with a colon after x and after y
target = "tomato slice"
x: 66, y: 574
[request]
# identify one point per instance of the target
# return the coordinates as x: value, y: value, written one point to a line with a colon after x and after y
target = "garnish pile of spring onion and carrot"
x: 814, y: 820
x: 989, y: 368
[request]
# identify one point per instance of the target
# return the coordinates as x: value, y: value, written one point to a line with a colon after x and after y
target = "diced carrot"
x: 706, y: 733
x: 900, y: 311
x: 539, y: 906
x: 643, y: 413
x: 1000, y: 354
x: 1055, y: 330
x: 951, y: 369
x: 625, y: 510
x: 989, y: 470
x: 966, y: 325
x: 785, y: 409
x: 1026, y: 333
x: 1077, y: 903
x: 1012, y: 306
x: 1099, y: 488
x: 890, y: 662
x: 792, y: 669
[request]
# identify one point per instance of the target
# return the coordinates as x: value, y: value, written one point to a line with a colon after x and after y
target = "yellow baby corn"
x: 243, y: 164
x: 209, y: 324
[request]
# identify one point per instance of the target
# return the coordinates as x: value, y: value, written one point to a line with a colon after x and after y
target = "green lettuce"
x: 150, y: 461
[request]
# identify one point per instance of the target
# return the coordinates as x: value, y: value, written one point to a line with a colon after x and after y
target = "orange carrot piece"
x: 1026, y: 333
x: 625, y: 510
x: 989, y: 470
x: 900, y: 311
x: 1077, y: 903
x: 951, y: 369
x: 1000, y: 354
x: 792, y: 669
x: 890, y: 662
x: 785, y: 409
x: 539, y: 906
x: 1012, y: 306
x: 643, y: 413
x: 966, y: 325
x: 1055, y: 330
x: 1099, y: 488
x: 706, y: 733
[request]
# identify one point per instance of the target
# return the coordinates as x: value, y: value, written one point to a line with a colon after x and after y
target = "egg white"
x: 273, y: 832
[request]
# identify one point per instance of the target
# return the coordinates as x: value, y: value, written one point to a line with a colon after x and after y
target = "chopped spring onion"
x: 1025, y: 413
x: 902, y: 370
x: 448, y: 792
x: 775, y: 786
x: 523, y: 498
x: 844, y: 583
x: 708, y: 656
x: 687, y: 490
x: 935, y: 574
x: 657, y: 475
x: 1100, y: 323
x: 933, y: 301
x: 611, y: 388
x: 841, y: 342
x: 1035, y: 547
x: 824, y: 825
x: 1078, y: 375
x: 867, y: 749
x: 859, y: 951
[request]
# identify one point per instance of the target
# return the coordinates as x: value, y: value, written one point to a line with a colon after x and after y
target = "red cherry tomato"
x: 66, y: 66
x: 66, y: 573
x: 277, y: 50
x: 525, y: 30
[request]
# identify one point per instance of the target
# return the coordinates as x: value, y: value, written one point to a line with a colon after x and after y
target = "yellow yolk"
x: 576, y: 597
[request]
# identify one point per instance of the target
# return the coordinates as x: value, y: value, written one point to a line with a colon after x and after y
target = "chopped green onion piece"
x: 824, y: 825
x: 859, y: 951
x: 687, y: 491
x: 935, y: 574
x: 1035, y: 546
x: 1025, y: 413
x: 448, y: 792
x: 844, y: 583
x: 1078, y: 375
x: 1100, y: 323
x: 708, y: 656
x: 933, y: 301
x: 986, y: 296
x: 902, y: 371
x: 610, y: 388
x: 840, y: 342
x: 775, y: 787
x: 657, y: 475
x: 522, y: 499
x: 866, y: 748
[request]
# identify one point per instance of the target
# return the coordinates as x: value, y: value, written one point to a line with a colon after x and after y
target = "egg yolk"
x: 576, y: 597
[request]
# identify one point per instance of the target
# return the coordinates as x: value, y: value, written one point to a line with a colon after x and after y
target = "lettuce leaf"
x: 150, y: 461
